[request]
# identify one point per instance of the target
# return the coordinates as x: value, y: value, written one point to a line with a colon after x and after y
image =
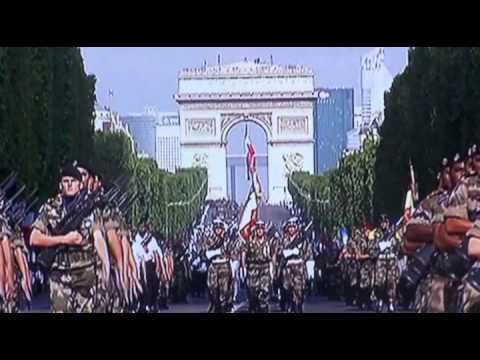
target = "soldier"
x: 182, y: 272
x: 460, y: 235
x: 387, y: 271
x: 219, y: 275
x: 419, y: 231
x: 77, y: 283
x: 256, y: 258
x: 294, y: 251
x: 15, y: 278
x: 367, y: 254
x: 350, y: 267
x: 449, y: 266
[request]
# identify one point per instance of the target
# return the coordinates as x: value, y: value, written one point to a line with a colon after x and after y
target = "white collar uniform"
x: 152, y: 248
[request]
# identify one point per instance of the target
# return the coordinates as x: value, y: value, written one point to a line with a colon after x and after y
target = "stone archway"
x: 237, y: 183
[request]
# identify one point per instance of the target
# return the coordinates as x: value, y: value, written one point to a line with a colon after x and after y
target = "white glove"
x: 211, y: 253
x: 295, y: 251
x: 384, y: 244
x: 287, y: 253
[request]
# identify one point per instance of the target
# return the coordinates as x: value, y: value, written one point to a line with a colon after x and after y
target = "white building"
x: 107, y: 120
x: 215, y: 101
x: 167, y: 138
x: 376, y: 79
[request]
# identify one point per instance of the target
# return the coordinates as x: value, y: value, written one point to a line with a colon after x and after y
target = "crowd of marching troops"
x: 428, y: 262
x: 95, y: 262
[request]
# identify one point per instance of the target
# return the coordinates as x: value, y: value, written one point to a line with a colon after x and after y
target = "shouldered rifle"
x: 81, y: 207
x: 300, y: 238
x: 8, y: 182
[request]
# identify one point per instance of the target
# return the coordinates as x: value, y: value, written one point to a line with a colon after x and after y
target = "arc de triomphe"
x: 280, y: 99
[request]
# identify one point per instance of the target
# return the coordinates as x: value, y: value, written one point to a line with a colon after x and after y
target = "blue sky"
x: 142, y: 76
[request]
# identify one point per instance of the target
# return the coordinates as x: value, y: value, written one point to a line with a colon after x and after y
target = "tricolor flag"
x: 250, y: 155
x: 249, y: 215
x: 409, y: 207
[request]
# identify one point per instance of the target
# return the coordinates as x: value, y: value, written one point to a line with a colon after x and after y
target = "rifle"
x: 81, y: 207
x: 8, y: 182
x: 300, y: 239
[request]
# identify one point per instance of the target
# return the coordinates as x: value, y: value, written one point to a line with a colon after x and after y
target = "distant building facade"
x: 168, y: 153
x: 218, y: 104
x: 375, y: 79
x: 107, y: 120
x: 143, y: 129
x: 334, y: 118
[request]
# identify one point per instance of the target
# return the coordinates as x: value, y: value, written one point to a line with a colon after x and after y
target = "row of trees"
x: 46, y: 112
x: 432, y: 111
x: 341, y: 197
x: 47, y: 105
x: 169, y: 202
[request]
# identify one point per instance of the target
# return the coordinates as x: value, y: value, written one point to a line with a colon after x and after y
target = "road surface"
x: 315, y: 304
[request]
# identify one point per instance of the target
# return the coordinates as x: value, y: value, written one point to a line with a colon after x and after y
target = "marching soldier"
x: 386, y: 272
x: 219, y: 275
x: 419, y: 232
x: 15, y: 278
x: 367, y: 254
x: 77, y: 282
x: 459, y: 236
x: 294, y: 251
x: 256, y: 258
x: 451, y: 262
x: 350, y: 267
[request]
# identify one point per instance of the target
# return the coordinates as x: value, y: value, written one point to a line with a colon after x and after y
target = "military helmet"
x: 260, y: 223
x: 218, y: 223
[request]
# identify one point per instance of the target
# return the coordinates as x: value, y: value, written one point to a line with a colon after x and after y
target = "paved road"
x: 312, y: 305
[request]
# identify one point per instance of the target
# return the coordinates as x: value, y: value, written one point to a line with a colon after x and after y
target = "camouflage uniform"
x: 17, y: 241
x: 219, y: 276
x: 428, y: 212
x: 75, y: 276
x: 115, y: 301
x: 464, y: 203
x: 294, y: 272
x: 258, y: 256
x: 387, y: 271
x: 350, y: 270
x: 367, y: 246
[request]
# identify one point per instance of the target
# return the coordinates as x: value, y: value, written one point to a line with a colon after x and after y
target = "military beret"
x: 218, y: 223
x: 71, y: 171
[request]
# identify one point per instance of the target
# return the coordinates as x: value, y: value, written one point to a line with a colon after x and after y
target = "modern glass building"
x: 334, y: 114
x: 142, y: 128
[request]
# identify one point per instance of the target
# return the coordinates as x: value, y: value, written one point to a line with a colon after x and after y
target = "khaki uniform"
x: 219, y: 275
x: 76, y: 276
x: 258, y: 256
x: 115, y: 303
x: 429, y: 211
x: 17, y: 241
x: 464, y: 203
x: 294, y: 271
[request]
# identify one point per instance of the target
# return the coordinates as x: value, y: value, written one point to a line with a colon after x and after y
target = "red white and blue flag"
x: 251, y: 209
x: 250, y: 155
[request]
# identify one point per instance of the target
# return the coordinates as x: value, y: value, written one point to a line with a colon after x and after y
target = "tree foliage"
x: 341, y: 197
x: 46, y: 112
x: 432, y: 111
